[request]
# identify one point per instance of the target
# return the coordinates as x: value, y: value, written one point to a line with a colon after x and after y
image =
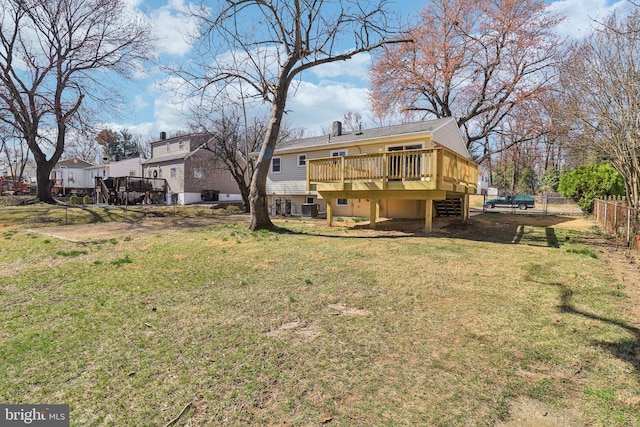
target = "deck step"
x: 449, y: 207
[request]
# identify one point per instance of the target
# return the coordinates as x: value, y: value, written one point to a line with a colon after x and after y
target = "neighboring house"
x: 191, y: 169
x: 71, y: 176
x: 128, y: 167
x: 483, y: 180
x: 28, y: 174
x: 415, y: 170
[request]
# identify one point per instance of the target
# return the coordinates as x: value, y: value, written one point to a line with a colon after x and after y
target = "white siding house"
x: 71, y: 176
x: 400, y: 171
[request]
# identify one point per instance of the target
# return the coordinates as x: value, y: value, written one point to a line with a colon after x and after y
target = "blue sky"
x: 323, y: 95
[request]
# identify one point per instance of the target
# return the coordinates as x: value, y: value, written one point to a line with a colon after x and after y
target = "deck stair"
x: 448, y: 207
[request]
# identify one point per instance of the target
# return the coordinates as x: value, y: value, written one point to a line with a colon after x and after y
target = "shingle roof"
x: 169, y: 158
x: 73, y: 163
x: 363, y: 135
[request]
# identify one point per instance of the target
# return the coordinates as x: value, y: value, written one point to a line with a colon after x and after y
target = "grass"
x: 317, y: 325
x: 42, y: 214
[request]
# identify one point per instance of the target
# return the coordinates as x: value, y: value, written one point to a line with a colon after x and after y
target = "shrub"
x: 586, y: 183
x: 86, y: 200
x: 550, y: 180
x: 73, y: 199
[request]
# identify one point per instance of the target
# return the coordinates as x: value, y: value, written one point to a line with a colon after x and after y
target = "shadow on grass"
x: 492, y: 228
x: 627, y: 350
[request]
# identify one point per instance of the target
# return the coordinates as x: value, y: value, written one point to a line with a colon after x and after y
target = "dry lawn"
x: 504, y: 320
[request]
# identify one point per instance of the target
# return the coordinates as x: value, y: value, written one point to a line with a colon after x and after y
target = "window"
x: 181, y: 145
x: 340, y: 153
x: 148, y: 173
x: 309, y: 199
x: 342, y: 202
x: 198, y: 173
x: 132, y: 173
x: 159, y: 173
x: 104, y: 172
x: 302, y: 159
x: 70, y: 176
x: 275, y: 165
x: 173, y: 172
x: 168, y: 146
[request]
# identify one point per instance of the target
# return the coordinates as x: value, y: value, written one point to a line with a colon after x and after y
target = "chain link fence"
x: 617, y: 218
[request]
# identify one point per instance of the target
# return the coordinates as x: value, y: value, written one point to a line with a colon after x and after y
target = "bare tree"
x: 82, y: 145
x: 267, y: 44
x: 54, y: 60
x: 236, y: 136
x: 14, y: 151
x: 351, y: 122
x: 475, y: 60
x: 233, y: 139
x: 602, y: 89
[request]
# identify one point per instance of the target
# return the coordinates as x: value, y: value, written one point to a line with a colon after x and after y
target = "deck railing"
x: 436, y: 165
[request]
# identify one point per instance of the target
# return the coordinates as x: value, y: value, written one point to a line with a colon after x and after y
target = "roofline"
x: 366, y: 141
x: 186, y: 135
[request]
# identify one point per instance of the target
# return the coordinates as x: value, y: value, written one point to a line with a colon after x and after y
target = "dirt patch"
x: 297, y: 327
x: 338, y: 309
x: 532, y: 413
x: 147, y: 226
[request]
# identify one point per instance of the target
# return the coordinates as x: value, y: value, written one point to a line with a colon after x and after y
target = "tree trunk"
x: 258, y: 192
x: 44, y: 167
x: 259, y: 211
x: 244, y: 193
x: 43, y: 170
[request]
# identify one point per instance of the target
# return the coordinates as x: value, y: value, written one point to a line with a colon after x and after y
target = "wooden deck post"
x: 465, y: 207
x: 428, y: 215
x: 329, y: 212
x: 374, y: 212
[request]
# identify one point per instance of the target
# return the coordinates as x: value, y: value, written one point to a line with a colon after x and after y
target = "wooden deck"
x: 425, y: 174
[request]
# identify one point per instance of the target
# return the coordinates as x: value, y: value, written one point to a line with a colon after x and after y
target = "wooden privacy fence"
x: 616, y: 217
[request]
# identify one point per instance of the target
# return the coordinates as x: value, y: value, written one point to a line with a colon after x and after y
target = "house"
x: 28, y: 174
x: 71, y: 176
x: 483, y: 180
x: 127, y: 167
x: 414, y: 170
x: 191, y: 168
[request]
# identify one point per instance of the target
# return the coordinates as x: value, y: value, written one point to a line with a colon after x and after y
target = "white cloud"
x: 173, y: 26
x: 140, y: 102
x: 315, y: 106
x: 358, y: 66
x: 580, y: 14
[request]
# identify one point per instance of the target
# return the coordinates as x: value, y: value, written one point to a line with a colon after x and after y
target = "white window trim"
x: 279, y: 164
x: 336, y: 153
x: 405, y: 145
x: 346, y: 203
x: 305, y: 160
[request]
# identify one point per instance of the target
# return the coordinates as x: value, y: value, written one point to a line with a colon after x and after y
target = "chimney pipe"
x: 163, y: 136
x: 336, y: 129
